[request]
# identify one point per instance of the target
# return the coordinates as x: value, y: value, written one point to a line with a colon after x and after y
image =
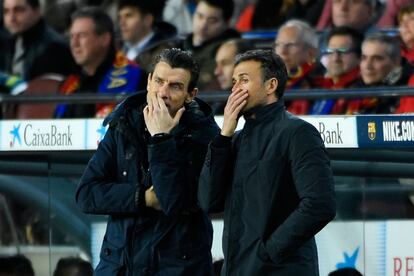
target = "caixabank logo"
x: 29, y: 136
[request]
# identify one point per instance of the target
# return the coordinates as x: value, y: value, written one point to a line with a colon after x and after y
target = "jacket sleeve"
x: 175, y: 171
x: 215, y: 175
x: 313, y: 180
x: 100, y: 191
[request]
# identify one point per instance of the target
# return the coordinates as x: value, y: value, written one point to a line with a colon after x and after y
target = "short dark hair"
x: 70, y: 265
x: 35, y: 4
x: 408, y: 9
x: 16, y: 265
x: 178, y: 58
x: 272, y: 66
x: 356, y: 36
x: 226, y: 6
x: 103, y: 23
x: 154, y: 7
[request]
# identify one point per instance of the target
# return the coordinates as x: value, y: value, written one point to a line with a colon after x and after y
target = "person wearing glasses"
x: 342, y: 57
x: 297, y: 44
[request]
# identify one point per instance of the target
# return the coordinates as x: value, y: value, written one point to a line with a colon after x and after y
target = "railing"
x: 215, y: 96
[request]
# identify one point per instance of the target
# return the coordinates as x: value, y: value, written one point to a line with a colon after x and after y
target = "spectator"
x: 389, y: 18
x: 343, y: 55
x: 210, y: 29
x: 406, y: 27
x: 270, y: 14
x: 225, y: 64
x: 225, y: 60
x: 142, y: 30
x: 17, y: 265
x: 102, y: 68
x: 358, y: 14
x: 297, y: 44
x: 72, y: 266
x: 144, y: 176
x: 33, y: 49
x: 272, y: 179
x: 380, y: 66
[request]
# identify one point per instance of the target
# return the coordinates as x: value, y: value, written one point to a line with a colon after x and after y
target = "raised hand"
x: 157, y: 117
x: 235, y: 103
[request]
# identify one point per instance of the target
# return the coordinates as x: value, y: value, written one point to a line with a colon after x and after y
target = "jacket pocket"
x: 111, y: 259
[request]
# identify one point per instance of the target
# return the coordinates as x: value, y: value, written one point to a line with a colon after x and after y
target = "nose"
x: 218, y: 70
x: 163, y: 91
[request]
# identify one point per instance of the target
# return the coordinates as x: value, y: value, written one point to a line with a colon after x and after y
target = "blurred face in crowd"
x: 208, y: 22
x: 19, y: 16
x: 352, y: 13
x: 248, y: 76
x: 375, y: 64
x: 341, y: 56
x: 289, y: 46
x: 225, y: 65
x: 171, y: 85
x: 133, y: 24
x: 406, y: 27
x: 88, y: 48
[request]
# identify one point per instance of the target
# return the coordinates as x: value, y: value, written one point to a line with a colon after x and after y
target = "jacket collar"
x: 262, y: 113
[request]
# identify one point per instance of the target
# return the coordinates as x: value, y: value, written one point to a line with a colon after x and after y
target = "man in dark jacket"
x: 273, y: 178
x: 33, y: 49
x: 145, y: 172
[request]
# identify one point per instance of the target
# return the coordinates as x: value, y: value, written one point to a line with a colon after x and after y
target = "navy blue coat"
x: 275, y: 185
x: 141, y: 240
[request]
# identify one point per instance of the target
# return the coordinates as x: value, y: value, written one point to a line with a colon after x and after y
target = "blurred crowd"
x: 71, y: 46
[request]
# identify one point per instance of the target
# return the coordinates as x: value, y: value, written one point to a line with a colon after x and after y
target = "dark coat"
x: 46, y: 51
x: 275, y: 185
x: 141, y: 240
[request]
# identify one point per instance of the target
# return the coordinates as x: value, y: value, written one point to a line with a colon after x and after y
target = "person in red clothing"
x: 343, y: 55
x: 297, y: 45
x: 406, y: 28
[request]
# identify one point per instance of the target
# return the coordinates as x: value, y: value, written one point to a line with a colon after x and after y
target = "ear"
x: 191, y: 95
x: 271, y: 86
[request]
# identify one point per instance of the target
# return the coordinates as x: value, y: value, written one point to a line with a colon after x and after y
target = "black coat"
x: 46, y: 52
x: 141, y: 240
x: 275, y: 185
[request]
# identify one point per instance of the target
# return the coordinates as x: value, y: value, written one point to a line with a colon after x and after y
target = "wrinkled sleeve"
x: 215, y: 175
x: 99, y: 192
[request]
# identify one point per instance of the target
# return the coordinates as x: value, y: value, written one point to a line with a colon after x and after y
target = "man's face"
x: 353, y: 13
x: 208, y: 22
x: 375, y: 64
x: 133, y: 24
x: 290, y: 48
x: 341, y: 56
x: 171, y: 85
x: 19, y: 16
x: 86, y: 45
x: 225, y: 65
x: 406, y: 27
x: 248, y: 76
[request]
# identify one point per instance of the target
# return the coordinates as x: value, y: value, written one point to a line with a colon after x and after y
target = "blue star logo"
x: 16, y: 134
x: 349, y: 261
x: 101, y: 131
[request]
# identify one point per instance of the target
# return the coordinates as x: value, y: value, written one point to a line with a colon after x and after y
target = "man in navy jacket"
x: 145, y: 172
x: 272, y: 179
